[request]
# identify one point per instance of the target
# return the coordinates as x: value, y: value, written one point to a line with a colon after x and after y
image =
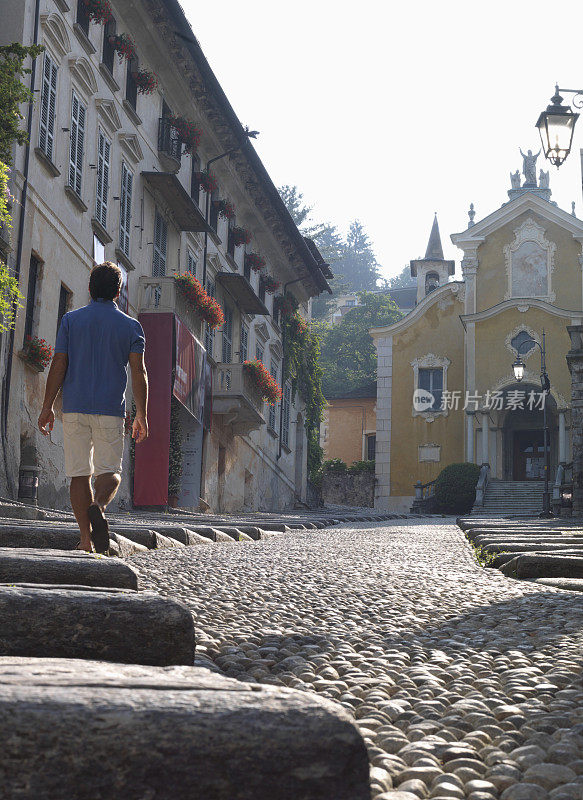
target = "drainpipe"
x: 24, y: 194
x: 289, y: 283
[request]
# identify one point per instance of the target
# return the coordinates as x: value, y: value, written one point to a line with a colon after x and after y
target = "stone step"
x: 106, y: 624
x: 64, y: 567
x: 544, y: 566
x: 95, y: 731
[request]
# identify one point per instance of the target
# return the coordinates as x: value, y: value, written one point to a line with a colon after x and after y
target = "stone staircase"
x: 511, y: 498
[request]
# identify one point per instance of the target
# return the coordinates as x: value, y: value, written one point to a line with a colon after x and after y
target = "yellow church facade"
x: 446, y: 390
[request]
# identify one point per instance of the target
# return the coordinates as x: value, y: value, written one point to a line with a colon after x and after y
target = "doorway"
x: 529, y: 455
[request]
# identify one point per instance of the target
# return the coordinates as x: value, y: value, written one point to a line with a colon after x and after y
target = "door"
x: 529, y: 456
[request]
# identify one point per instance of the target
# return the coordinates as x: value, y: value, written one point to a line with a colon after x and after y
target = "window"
x: 31, y: 296
x: 48, y: 105
x: 523, y: 343
x: 431, y: 282
x: 231, y: 240
x: 261, y: 290
x: 214, y: 217
x: 103, y: 153
x: 227, y: 336
x: 131, y: 86
x: 209, y: 334
x: 125, y: 209
x: 64, y: 303
x: 123, y: 301
x: 273, y: 408
x: 98, y: 250
x: 82, y: 18
x: 108, y: 51
x: 259, y: 352
x: 160, y: 245
x: 78, y: 112
x: 194, y: 184
x: 432, y: 381
x: 285, y: 413
x: 244, y: 343
x: 371, y: 446
x: 191, y: 262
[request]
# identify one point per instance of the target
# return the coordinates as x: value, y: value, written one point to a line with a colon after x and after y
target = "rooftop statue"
x: 515, y: 179
x: 529, y: 167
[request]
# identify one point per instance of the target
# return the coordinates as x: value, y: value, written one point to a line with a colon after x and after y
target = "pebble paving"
x: 463, y: 682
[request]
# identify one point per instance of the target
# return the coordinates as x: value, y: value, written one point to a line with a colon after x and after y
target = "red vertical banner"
x: 153, y: 455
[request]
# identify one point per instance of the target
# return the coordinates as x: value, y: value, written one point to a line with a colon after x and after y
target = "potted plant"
x: 37, y: 353
x: 187, y: 131
x: 201, y: 303
x: 207, y: 181
x: 145, y: 81
x: 286, y: 305
x: 263, y: 381
x: 254, y: 261
x: 297, y: 327
x: 225, y: 208
x: 124, y: 46
x: 240, y: 236
x: 98, y: 11
x: 269, y: 283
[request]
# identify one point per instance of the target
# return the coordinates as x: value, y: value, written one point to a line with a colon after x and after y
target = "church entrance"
x: 529, y: 456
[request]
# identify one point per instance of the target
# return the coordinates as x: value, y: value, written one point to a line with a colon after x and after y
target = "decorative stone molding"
x: 108, y: 114
x: 83, y: 73
x: 262, y: 332
x: 523, y: 309
x: 429, y: 361
x: 530, y: 231
x: 429, y: 452
x: 510, y: 336
x: 131, y: 146
x: 55, y: 35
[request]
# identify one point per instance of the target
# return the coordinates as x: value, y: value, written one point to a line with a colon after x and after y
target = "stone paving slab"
x: 64, y: 567
x: 544, y: 566
x: 94, y: 731
x: 114, y: 625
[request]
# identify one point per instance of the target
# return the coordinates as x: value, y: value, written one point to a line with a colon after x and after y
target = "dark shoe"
x: 99, y: 529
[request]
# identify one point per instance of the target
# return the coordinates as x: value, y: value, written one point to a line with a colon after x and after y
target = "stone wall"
x: 349, y: 488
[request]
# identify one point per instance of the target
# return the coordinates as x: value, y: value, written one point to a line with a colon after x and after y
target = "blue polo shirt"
x: 98, y: 340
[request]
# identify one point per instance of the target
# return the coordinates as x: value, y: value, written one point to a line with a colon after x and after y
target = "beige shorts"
x: 93, y: 444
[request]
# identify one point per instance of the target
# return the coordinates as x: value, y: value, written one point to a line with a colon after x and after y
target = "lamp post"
x: 556, y: 126
x: 518, y: 366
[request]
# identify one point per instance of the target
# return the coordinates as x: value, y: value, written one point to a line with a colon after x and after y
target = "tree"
x: 358, y: 265
x: 401, y: 280
x: 12, y: 93
x: 347, y: 352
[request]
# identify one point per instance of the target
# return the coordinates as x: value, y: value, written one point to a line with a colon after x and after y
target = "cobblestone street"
x: 462, y: 681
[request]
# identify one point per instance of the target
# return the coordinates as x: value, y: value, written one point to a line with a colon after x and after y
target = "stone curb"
x: 64, y: 567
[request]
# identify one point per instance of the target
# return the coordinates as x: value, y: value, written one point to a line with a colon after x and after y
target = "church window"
x: 431, y: 282
x: 519, y: 343
x: 432, y: 381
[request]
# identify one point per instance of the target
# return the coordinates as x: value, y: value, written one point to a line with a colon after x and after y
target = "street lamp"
x: 518, y: 367
x: 556, y: 126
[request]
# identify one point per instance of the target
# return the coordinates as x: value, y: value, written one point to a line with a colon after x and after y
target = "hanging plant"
x: 240, y: 236
x: 286, y: 305
x: 207, y: 181
x: 124, y: 46
x: 37, y: 352
x: 269, y: 283
x: 263, y: 381
x: 297, y: 327
x: 98, y: 11
x: 254, y: 261
x: 146, y: 81
x: 225, y: 208
x: 187, y: 132
x: 201, y: 303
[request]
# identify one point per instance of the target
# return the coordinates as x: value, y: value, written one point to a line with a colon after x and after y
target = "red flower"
x: 226, y: 208
x: 146, y: 81
x: 240, y: 236
x: 263, y: 381
x: 187, y: 131
x: 38, y: 352
x: 201, y: 302
x: 207, y: 181
x: 98, y: 11
x: 124, y: 46
x: 270, y: 283
x: 255, y: 261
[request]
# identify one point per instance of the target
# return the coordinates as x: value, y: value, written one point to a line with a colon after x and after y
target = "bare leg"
x: 81, y: 499
x: 106, y: 486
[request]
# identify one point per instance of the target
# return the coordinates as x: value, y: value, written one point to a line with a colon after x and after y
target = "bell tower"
x: 433, y: 270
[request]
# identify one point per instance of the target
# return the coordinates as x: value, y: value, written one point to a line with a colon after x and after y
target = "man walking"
x: 93, y: 347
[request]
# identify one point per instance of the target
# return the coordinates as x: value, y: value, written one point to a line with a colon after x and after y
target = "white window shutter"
x: 103, y: 154
x: 78, y: 112
x: 125, y: 209
x: 48, y: 106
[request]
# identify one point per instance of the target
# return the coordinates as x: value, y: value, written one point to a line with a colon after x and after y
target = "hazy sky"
x: 387, y: 112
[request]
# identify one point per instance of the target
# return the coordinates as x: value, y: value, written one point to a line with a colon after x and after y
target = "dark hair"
x: 105, y: 281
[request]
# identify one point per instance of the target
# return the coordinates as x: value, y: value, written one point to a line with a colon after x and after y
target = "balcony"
x: 161, y: 295
x: 185, y: 213
x: 240, y: 289
x: 236, y: 399
x: 169, y: 146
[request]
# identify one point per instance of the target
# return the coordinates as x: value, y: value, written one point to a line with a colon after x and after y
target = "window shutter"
x: 273, y: 408
x: 191, y: 263
x: 160, y: 244
x: 244, y: 342
x: 103, y: 153
x: 286, y: 414
x: 209, y: 334
x: 77, y: 144
x: 125, y: 209
x: 48, y: 106
x: 228, y: 336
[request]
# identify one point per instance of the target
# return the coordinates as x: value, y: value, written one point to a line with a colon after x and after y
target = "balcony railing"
x: 236, y: 398
x: 169, y: 146
x: 161, y: 295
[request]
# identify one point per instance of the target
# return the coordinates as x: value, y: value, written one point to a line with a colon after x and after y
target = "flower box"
x: 240, y: 236
x: 286, y: 305
x: 269, y: 283
x: 207, y: 182
x: 187, y: 131
x: 297, y: 327
x: 201, y: 303
x: 37, y: 353
x: 98, y: 11
x: 145, y: 81
x: 124, y: 46
x: 254, y: 261
x: 263, y: 381
x: 225, y: 208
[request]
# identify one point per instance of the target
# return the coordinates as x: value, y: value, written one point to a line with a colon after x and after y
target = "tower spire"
x: 434, y: 249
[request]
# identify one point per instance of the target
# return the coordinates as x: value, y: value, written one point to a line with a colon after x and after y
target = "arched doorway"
x: 523, y: 451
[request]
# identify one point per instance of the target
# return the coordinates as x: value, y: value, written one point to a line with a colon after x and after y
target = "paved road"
x: 465, y: 684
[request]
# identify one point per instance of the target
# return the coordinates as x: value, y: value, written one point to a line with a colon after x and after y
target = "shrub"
x: 362, y: 466
x: 455, y: 488
x: 334, y: 465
